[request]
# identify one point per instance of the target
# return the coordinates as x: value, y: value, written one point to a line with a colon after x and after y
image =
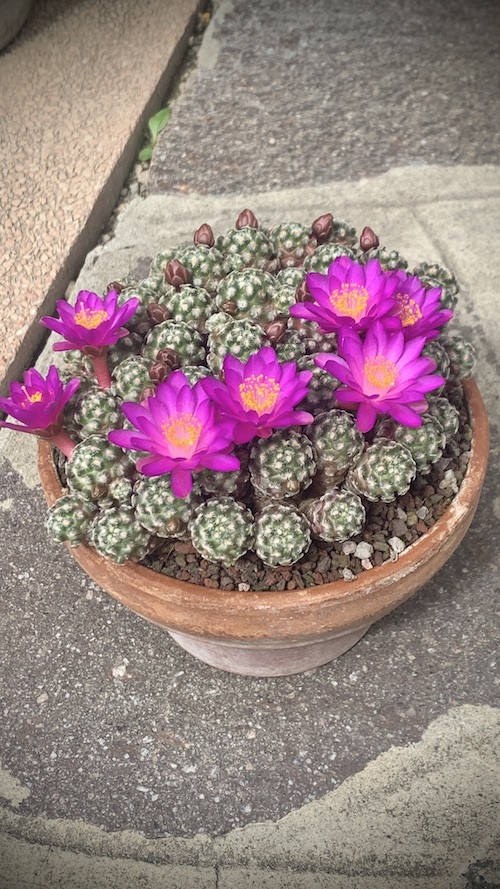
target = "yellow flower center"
x: 409, y: 310
x: 182, y: 431
x: 380, y: 372
x: 259, y: 393
x: 34, y: 398
x: 90, y: 318
x: 350, y: 300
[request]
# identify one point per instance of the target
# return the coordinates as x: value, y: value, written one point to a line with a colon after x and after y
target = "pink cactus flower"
x: 418, y: 309
x: 382, y: 375
x: 92, y: 325
x: 349, y: 295
x: 37, y: 404
x: 179, y: 428
x: 260, y: 395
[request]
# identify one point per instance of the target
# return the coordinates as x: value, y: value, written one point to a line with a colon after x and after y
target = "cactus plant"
x: 338, y: 444
x: 222, y: 530
x: 337, y: 515
x: 282, y: 535
x: 385, y: 470
x: 282, y: 465
x: 192, y: 373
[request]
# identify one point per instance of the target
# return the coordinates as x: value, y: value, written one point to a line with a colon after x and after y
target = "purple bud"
x: 275, y: 331
x: 230, y: 307
x: 246, y: 219
x: 169, y: 357
x: 157, y: 313
x: 159, y: 372
x: 302, y: 293
x: 368, y: 239
x: 204, y: 235
x: 177, y: 274
x: 322, y: 227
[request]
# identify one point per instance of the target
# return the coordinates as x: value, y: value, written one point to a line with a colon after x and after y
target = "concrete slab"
x: 78, y: 86
x: 293, y: 93
x: 420, y: 816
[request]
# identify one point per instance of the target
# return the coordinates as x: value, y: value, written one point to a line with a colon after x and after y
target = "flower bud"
x: 204, y: 235
x: 116, y: 286
x: 302, y: 293
x: 147, y: 392
x: 230, y: 307
x: 169, y: 357
x: 246, y: 219
x: 368, y: 239
x: 98, y: 491
x: 157, y: 313
x: 322, y: 227
x: 176, y: 274
x: 275, y: 331
x: 159, y: 372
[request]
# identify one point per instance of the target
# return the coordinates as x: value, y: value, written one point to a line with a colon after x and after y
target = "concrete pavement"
x: 124, y: 761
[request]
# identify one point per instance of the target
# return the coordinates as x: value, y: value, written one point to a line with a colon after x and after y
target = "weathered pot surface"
x: 280, y: 633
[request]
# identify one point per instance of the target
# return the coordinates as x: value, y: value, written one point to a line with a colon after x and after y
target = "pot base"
x: 258, y: 659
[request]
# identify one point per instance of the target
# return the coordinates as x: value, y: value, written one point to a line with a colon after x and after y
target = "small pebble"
x: 347, y: 574
x: 349, y: 547
x: 363, y: 550
x: 397, y: 544
x: 399, y: 528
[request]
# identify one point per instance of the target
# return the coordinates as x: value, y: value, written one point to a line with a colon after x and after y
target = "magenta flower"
x: 349, y: 295
x: 179, y: 429
x: 37, y: 404
x: 382, y: 375
x: 92, y: 325
x: 418, y: 309
x: 259, y: 395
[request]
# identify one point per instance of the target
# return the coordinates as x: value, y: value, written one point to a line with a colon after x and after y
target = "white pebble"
x: 423, y: 512
x: 347, y: 574
x: 449, y: 481
x: 366, y: 564
x: 401, y: 514
x: 363, y: 550
x: 243, y: 587
x: 349, y: 547
x: 397, y: 544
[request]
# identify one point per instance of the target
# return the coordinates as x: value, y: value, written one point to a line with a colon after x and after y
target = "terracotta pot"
x: 280, y: 633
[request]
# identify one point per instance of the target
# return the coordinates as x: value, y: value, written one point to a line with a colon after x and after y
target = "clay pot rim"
x: 193, y: 605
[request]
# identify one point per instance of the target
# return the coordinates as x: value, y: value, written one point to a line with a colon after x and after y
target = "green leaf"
x: 158, y: 122
x: 146, y: 153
